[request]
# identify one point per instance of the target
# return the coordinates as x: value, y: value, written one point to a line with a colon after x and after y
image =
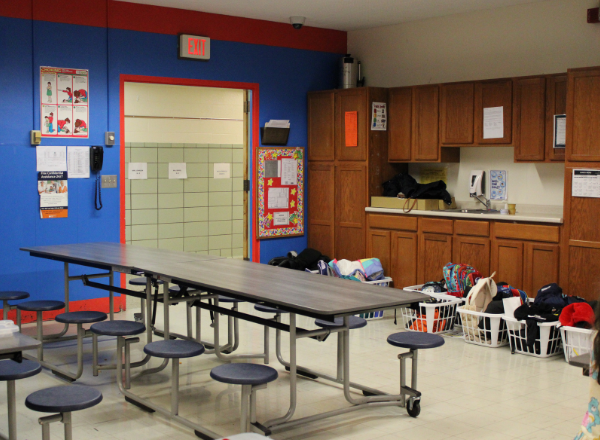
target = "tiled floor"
x: 469, y: 392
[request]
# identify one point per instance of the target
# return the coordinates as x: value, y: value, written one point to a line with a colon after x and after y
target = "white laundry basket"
x: 419, y: 288
x: 493, y: 334
x: 378, y: 314
x: 435, y: 318
x: 576, y: 341
x: 547, y: 344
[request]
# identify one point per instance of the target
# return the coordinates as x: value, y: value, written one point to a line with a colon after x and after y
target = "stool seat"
x: 354, y: 322
x: 13, y: 295
x: 41, y: 306
x: 415, y: 340
x: 141, y: 281
x: 267, y: 309
x: 84, y: 317
x: 118, y: 328
x: 174, y: 349
x: 244, y: 374
x: 63, y: 399
x: 11, y: 370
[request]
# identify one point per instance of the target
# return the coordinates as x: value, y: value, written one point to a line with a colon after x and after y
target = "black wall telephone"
x: 96, y: 159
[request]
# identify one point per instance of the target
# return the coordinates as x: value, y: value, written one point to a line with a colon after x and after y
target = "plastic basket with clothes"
x: 547, y: 339
x: 485, y: 329
x: 576, y: 341
x: 437, y: 316
x: 419, y: 288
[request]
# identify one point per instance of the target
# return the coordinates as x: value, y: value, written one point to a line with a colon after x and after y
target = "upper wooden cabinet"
x: 488, y: 94
x: 400, y: 124
x: 351, y: 100
x: 556, y: 104
x: 456, y: 113
x: 529, y: 118
x: 425, y: 117
x: 583, y: 115
x: 321, y: 134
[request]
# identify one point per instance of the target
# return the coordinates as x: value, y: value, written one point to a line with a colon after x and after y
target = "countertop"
x: 525, y: 213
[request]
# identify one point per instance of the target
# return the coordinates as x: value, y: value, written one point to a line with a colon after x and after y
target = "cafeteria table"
x: 207, y: 277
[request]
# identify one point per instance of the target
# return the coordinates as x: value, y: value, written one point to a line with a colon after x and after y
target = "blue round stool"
x: 174, y: 349
x: 251, y: 377
x: 78, y: 318
x: 38, y: 307
x: 11, y: 295
x: 10, y: 371
x: 354, y: 322
x: 414, y: 341
x: 62, y: 400
x: 277, y: 312
x: 125, y: 332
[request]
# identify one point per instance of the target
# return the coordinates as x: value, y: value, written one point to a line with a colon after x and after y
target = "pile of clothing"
x: 368, y: 269
x: 548, y: 306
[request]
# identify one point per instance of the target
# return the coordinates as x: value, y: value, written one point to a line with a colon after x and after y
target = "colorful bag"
x: 460, y: 278
x: 420, y: 323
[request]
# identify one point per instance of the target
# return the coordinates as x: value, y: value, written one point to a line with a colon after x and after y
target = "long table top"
x: 295, y: 291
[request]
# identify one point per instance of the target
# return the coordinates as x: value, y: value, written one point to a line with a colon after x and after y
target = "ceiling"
x: 336, y: 14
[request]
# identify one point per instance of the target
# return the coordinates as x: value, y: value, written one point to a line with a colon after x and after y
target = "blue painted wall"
x: 284, y: 76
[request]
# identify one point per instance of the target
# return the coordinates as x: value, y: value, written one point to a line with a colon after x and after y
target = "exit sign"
x: 194, y: 47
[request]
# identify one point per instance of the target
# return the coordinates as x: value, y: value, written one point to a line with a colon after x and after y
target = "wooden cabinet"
x: 425, y: 108
x: 583, y: 107
x: 350, y: 201
x: 435, y: 251
x: 404, y: 253
x: 507, y: 262
x: 379, y: 246
x: 474, y: 251
x: 488, y: 94
x: 529, y: 119
x: 321, y: 202
x: 456, y: 113
x: 400, y: 124
x: 556, y: 104
x: 321, y: 135
x: 351, y: 100
x: 540, y: 266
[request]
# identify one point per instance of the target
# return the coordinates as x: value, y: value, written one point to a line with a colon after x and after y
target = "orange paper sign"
x: 351, y: 124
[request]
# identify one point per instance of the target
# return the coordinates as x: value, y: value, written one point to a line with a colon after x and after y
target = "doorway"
x: 206, y: 129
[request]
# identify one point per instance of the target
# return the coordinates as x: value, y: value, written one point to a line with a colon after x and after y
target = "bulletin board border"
x: 261, y: 232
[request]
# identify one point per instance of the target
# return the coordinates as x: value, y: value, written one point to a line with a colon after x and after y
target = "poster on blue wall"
x: 64, y: 101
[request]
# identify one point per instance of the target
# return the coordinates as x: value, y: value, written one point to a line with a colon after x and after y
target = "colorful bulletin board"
x: 280, y: 181
x: 64, y: 102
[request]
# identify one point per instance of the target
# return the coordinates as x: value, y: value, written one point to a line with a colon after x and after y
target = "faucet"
x: 487, y: 203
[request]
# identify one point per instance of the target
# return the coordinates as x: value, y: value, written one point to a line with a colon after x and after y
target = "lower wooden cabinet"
x: 525, y: 265
x: 378, y: 246
x: 405, y: 259
x: 507, y: 262
x: 412, y: 255
x: 540, y: 266
x: 321, y: 203
x: 435, y: 251
x: 350, y: 200
x: 474, y: 251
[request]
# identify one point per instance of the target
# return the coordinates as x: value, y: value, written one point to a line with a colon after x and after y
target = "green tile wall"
x: 199, y: 214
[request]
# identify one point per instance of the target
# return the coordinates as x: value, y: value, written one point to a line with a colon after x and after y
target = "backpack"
x: 460, y: 278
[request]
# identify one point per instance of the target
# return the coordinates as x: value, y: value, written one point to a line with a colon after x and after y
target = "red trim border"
x: 171, y: 21
x: 254, y: 87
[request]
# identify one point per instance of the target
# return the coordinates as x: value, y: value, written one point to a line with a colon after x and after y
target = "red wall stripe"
x: 16, y: 9
x: 171, y: 21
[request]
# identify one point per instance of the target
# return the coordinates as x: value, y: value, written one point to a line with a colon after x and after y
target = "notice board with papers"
x: 280, y: 192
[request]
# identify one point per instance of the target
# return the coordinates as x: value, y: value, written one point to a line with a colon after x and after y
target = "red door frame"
x: 196, y: 83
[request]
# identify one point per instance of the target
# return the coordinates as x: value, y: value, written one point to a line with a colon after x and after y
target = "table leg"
x: 148, y: 310
x: 166, y: 310
x: 12, y: 410
x: 111, y: 296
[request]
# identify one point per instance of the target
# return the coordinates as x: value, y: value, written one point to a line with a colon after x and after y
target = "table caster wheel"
x: 415, y: 410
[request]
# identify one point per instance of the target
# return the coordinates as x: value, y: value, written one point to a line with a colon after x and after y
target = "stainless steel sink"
x: 475, y: 211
